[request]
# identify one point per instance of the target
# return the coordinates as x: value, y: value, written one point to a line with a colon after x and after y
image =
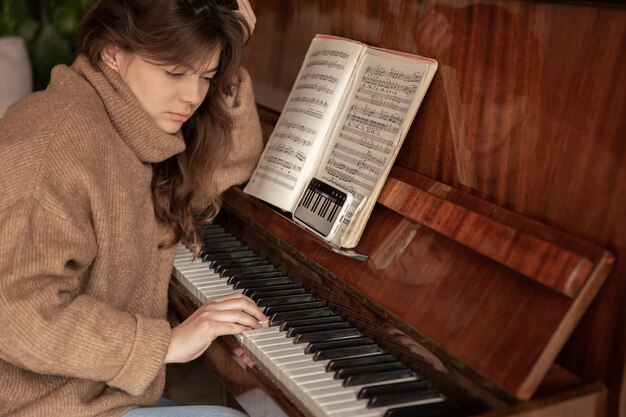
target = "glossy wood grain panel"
x: 542, y: 261
x: 526, y: 110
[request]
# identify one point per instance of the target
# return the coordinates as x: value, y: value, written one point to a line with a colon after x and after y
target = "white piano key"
x: 216, y: 294
x: 333, y: 384
x: 274, y: 350
x: 309, y: 370
x: 367, y: 412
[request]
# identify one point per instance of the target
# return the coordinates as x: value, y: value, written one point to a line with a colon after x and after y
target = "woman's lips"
x: 180, y: 117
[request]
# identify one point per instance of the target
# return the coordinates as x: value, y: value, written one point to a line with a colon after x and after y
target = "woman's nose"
x: 193, y: 91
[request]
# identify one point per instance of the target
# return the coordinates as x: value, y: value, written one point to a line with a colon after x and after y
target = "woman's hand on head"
x: 248, y: 14
x: 230, y: 314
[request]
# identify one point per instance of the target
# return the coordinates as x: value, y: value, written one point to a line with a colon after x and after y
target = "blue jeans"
x: 169, y: 408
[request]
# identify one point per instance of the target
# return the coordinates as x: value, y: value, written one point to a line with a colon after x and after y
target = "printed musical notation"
x: 330, y: 52
x: 321, y: 88
x: 316, y: 107
x: 372, y: 126
x: 306, y: 116
x: 317, y: 76
x: 286, y: 155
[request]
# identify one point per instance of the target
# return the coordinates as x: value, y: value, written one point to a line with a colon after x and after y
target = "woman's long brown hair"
x: 179, y: 32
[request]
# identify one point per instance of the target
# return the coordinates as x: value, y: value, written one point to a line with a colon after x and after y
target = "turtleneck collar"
x: 133, y: 124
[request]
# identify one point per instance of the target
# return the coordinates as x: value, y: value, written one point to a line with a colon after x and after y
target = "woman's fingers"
x: 236, y: 302
x: 248, y: 14
x: 232, y: 316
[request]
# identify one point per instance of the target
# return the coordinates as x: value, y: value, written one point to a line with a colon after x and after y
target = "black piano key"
x: 337, y: 344
x: 257, y: 283
x: 213, y: 227
x: 369, y: 369
x: 307, y: 322
x: 280, y: 317
x: 306, y: 200
x: 210, y: 236
x: 331, y: 215
x: 316, y: 202
x: 326, y: 335
x: 231, y: 272
x: 256, y: 295
x: 374, y: 390
x: 215, y: 246
x: 220, y: 239
x: 286, y: 299
x: 336, y: 364
x: 403, y: 397
x: 211, y: 252
x: 438, y: 409
x: 212, y: 257
x: 228, y: 261
x: 324, y: 208
x: 260, y: 291
x: 239, y: 262
x: 269, y: 311
x: 346, y: 352
x: 251, y: 277
x: 316, y: 328
x: 244, y: 264
x: 376, y: 377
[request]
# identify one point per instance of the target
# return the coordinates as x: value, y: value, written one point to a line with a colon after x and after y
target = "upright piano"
x: 496, y: 252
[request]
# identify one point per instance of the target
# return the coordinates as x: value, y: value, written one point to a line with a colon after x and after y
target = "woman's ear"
x: 109, y: 56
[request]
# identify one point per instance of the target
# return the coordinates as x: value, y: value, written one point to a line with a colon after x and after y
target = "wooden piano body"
x: 496, y: 249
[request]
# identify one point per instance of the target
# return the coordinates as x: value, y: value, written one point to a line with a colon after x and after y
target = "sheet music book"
x: 344, y: 122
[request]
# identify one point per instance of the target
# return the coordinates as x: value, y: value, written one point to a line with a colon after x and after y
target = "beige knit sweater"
x: 83, y: 285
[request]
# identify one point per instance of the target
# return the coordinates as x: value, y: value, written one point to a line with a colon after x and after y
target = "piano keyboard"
x: 319, y: 358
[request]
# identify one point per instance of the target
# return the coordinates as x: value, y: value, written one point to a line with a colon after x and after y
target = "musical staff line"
x: 370, y: 125
x: 310, y: 100
x: 415, y: 77
x: 346, y: 178
x: 293, y: 138
x: 315, y: 86
x: 333, y: 162
x: 330, y: 52
x: 381, y: 100
x: 318, y: 76
x: 271, y: 178
x: 330, y: 63
x: 318, y: 114
x: 297, y: 126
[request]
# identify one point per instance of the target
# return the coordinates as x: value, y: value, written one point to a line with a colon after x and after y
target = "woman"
x: 101, y: 175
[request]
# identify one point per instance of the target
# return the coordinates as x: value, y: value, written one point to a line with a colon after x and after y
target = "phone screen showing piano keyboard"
x: 321, y: 208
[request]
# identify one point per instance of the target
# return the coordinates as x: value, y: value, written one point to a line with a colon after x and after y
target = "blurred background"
x: 48, y: 29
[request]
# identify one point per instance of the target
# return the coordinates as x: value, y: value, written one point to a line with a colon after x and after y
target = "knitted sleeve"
x: 46, y: 327
x: 246, y: 137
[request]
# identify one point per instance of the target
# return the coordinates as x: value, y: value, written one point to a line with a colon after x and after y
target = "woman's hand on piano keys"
x: 230, y: 314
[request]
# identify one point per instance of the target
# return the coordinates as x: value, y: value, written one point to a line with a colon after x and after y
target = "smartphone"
x: 322, y: 208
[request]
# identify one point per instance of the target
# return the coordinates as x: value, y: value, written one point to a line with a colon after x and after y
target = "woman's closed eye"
x: 174, y: 74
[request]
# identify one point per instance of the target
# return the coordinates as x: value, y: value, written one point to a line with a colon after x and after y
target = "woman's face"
x: 170, y: 94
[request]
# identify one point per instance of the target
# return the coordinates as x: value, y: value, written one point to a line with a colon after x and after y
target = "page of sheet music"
x: 375, y: 119
x: 293, y: 149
